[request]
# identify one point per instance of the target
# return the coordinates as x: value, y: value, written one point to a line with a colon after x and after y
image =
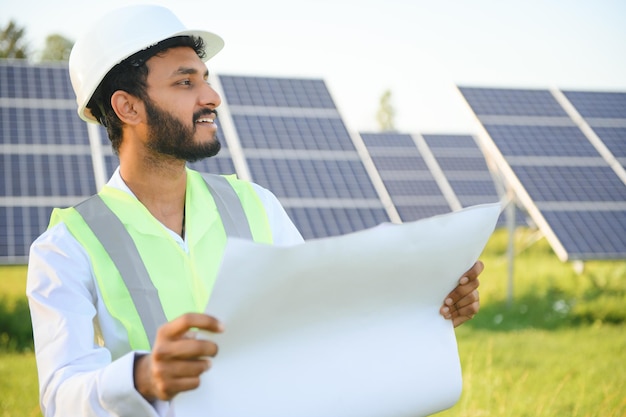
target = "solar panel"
x: 456, y: 174
x: 45, y: 156
x: 550, y: 141
x: 615, y: 141
x: 291, y: 139
x: 288, y: 132
x: 550, y: 146
x: 604, y: 237
x: 605, y: 113
x: 513, y: 102
x: 601, y: 105
x: 411, y: 185
x: 266, y: 92
x: 23, y: 80
x: 464, y: 165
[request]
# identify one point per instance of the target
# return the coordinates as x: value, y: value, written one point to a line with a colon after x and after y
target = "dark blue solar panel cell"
x: 450, y: 141
x: 23, y: 183
x: 69, y: 127
x: 20, y: 226
x: 36, y: 221
x: 555, y: 183
x: 78, y: 173
x: 472, y: 200
x: 614, y: 139
x: 5, y: 173
x: 33, y: 126
x: 276, y: 92
x: 214, y: 165
x: 7, y: 81
x: 409, y: 213
x: 462, y: 164
x: 271, y: 132
x: 474, y: 187
x: 316, y: 222
x: 598, y: 104
x: 50, y: 175
x: 417, y: 188
x: 541, y: 141
x: 312, y: 178
x: 387, y: 140
x: 27, y: 80
x: 111, y: 162
x: 512, y: 102
x: 400, y: 163
x: 590, y: 234
x: 57, y: 81
x: 104, y: 136
x: 7, y: 237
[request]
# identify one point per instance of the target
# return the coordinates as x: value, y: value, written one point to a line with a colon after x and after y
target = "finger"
x: 178, y: 327
x: 181, y: 368
x: 184, y: 349
x: 468, y: 299
x: 469, y: 310
x: 461, y: 291
x: 457, y: 321
x: 167, y: 390
x: 464, y: 314
x: 468, y: 305
x: 474, y: 271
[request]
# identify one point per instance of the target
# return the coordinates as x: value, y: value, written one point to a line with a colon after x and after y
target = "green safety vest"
x: 144, y: 276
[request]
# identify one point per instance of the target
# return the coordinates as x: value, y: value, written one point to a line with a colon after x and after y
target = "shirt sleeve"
x: 77, y: 377
x: 284, y: 232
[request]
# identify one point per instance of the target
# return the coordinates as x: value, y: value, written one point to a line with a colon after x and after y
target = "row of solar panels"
x: 287, y: 135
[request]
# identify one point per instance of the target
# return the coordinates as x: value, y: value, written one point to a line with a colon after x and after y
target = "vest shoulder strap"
x: 118, y: 243
x: 121, y: 248
x: 229, y: 206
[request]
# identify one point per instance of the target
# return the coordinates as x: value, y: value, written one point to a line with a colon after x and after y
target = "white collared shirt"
x: 77, y: 376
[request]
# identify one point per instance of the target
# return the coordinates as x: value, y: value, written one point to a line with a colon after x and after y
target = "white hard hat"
x: 118, y: 35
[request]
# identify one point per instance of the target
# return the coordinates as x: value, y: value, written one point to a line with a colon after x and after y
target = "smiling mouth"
x: 210, y: 120
x: 206, y: 117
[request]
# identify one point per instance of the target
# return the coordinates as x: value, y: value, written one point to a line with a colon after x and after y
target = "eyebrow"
x: 189, y: 71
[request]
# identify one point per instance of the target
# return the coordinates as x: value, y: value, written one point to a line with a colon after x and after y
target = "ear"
x: 127, y: 107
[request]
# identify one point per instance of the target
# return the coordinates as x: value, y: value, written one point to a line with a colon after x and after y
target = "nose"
x: 210, y: 97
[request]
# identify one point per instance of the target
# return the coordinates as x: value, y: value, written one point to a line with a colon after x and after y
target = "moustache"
x: 204, y: 112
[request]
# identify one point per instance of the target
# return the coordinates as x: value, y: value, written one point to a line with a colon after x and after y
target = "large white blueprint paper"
x: 343, y: 327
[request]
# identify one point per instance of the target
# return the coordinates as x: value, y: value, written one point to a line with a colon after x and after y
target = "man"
x: 107, y: 343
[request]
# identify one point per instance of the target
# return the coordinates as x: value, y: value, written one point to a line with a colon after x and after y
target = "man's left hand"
x: 463, y: 303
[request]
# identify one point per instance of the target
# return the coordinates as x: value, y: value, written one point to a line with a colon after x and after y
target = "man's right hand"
x: 177, y: 360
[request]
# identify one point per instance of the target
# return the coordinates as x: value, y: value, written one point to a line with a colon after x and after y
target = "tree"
x: 12, y: 42
x: 386, y: 112
x: 57, y: 48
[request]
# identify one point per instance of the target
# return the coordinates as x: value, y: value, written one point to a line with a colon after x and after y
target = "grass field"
x: 559, y: 349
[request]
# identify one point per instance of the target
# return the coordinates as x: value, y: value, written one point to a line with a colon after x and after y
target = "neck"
x: 160, y: 185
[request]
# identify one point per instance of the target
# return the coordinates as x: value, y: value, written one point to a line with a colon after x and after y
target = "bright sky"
x: 418, y: 49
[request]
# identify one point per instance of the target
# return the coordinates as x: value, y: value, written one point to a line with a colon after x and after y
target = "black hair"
x: 131, y: 76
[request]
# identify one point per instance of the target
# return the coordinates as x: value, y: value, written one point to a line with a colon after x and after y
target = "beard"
x: 170, y: 136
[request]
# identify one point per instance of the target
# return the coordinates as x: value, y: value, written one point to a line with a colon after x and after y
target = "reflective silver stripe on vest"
x: 228, y: 206
x: 121, y: 248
